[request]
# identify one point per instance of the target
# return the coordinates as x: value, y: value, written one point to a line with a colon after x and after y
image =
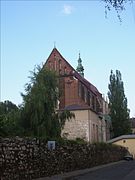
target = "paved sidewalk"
x: 69, y: 175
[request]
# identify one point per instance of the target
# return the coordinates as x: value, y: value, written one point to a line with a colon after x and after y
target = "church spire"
x: 80, y: 68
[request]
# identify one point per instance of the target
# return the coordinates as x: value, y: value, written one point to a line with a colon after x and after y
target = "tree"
x: 119, y: 112
x: 9, y: 119
x: 118, y: 5
x: 39, y: 115
x: 6, y: 107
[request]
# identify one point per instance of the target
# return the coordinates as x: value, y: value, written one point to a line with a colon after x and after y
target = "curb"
x: 72, y: 174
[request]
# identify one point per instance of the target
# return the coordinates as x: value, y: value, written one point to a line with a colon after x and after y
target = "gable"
x: 58, y: 63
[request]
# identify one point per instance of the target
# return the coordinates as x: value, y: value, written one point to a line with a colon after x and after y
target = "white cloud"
x: 67, y: 9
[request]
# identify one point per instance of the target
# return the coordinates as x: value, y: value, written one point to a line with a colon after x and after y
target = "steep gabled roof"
x: 90, y: 86
x: 55, y: 51
x: 87, y: 84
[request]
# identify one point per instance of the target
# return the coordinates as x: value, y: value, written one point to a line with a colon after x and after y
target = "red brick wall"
x: 56, y: 62
x: 68, y: 84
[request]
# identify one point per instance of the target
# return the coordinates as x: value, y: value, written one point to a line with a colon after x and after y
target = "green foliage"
x: 117, y: 5
x: 80, y: 141
x: 6, y: 107
x: 118, y: 105
x: 63, y: 116
x: 66, y: 142
x: 39, y: 115
x: 40, y: 102
x: 9, y: 119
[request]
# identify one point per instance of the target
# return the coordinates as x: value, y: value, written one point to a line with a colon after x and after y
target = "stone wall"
x: 77, y: 127
x: 86, y: 125
x: 22, y: 159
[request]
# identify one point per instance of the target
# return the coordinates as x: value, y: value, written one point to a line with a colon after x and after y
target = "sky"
x: 30, y: 28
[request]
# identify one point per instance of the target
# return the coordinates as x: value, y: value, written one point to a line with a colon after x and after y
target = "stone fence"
x: 24, y: 158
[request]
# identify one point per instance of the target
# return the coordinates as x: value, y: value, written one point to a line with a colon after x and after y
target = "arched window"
x: 79, y: 89
x: 60, y: 64
x: 65, y: 70
x: 85, y: 94
x: 93, y: 102
x: 55, y: 65
x: 82, y: 92
x: 88, y: 98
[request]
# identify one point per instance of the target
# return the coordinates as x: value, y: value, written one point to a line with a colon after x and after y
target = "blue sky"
x: 29, y: 29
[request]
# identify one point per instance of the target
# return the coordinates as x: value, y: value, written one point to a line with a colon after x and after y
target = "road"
x: 122, y: 171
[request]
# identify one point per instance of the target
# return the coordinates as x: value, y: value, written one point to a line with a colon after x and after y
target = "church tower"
x: 80, y: 68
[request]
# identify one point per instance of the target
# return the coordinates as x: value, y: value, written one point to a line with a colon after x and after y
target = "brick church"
x: 82, y: 98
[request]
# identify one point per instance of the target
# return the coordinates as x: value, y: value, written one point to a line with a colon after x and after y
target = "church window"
x: 97, y: 105
x: 65, y: 70
x: 59, y: 63
x: 88, y: 98
x: 93, y: 102
x: 82, y: 92
x: 55, y: 65
x: 79, y: 89
x: 95, y: 108
x: 85, y: 94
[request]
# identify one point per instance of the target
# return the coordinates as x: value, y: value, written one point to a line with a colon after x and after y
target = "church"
x: 82, y: 98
